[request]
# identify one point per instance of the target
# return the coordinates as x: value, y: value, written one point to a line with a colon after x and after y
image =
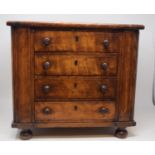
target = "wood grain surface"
x: 74, y: 75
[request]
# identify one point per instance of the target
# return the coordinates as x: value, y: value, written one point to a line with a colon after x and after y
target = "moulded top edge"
x: 73, y: 25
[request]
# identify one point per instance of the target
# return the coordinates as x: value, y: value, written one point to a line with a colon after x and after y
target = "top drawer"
x: 77, y: 41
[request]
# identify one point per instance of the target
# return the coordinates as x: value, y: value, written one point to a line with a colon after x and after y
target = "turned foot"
x: 121, y: 133
x: 26, y: 134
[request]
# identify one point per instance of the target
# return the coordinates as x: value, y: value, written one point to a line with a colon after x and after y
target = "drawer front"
x: 71, y: 87
x: 77, y: 41
x: 74, y: 111
x: 46, y: 64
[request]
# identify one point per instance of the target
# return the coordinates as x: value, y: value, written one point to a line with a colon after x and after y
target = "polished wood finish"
x: 86, y: 42
x: 74, y: 111
x: 77, y: 64
x: 74, y: 87
x: 22, y: 83
x: 73, y: 124
x: 74, y: 75
x: 74, y: 25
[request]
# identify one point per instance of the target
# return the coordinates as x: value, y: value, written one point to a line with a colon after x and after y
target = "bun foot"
x: 121, y: 133
x: 26, y: 134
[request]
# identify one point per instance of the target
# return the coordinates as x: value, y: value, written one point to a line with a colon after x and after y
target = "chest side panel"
x: 22, y: 74
x: 127, y: 78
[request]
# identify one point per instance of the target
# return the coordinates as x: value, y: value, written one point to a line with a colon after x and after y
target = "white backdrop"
x: 144, y: 109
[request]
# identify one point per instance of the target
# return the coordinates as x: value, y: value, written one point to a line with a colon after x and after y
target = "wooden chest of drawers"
x: 73, y: 75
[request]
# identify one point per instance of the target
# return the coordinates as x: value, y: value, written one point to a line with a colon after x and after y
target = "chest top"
x: 73, y: 25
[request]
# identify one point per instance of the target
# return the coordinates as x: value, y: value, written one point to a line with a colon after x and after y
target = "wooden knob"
x: 104, y: 88
x: 46, y: 41
x: 104, y: 66
x: 103, y: 110
x: 46, y: 64
x: 47, y: 111
x: 106, y: 43
x: 46, y: 88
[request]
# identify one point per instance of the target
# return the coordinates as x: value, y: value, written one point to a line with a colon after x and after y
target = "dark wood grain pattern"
x: 128, y: 75
x: 73, y: 25
x: 74, y: 111
x: 22, y: 74
x: 78, y: 64
x: 95, y: 123
x: 77, y: 41
x: 71, y: 87
x: 73, y: 75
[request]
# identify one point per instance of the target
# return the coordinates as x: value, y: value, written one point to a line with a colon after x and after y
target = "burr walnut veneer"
x: 73, y: 75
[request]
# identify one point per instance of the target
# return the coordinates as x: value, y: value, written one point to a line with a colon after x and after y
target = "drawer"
x: 46, y: 64
x: 74, y: 111
x: 77, y: 41
x: 74, y: 87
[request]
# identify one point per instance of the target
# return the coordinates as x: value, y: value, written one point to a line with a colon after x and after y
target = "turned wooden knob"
x: 104, y: 66
x: 46, y: 41
x: 47, y: 110
x: 46, y: 88
x: 104, y: 110
x: 106, y: 43
x: 104, y: 88
x: 46, y: 64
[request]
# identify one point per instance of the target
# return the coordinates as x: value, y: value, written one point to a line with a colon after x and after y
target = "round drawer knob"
x: 104, y: 88
x: 106, y: 43
x: 46, y: 41
x: 46, y: 64
x: 104, y: 66
x: 104, y: 110
x: 46, y: 88
x: 47, y: 111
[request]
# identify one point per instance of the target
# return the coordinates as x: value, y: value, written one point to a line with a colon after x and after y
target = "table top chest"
x: 73, y: 75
